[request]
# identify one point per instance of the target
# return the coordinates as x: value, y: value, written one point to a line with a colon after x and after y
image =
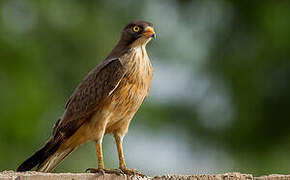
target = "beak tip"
x: 153, y: 36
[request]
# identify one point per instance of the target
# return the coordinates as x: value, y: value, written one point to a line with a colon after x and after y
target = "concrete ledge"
x: 11, y: 175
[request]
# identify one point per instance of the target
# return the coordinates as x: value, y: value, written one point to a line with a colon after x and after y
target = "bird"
x: 103, y: 103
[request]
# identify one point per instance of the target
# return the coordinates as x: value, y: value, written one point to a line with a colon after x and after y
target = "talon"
x: 133, y: 172
x: 91, y: 170
x: 104, y: 171
x: 94, y: 170
x: 119, y: 171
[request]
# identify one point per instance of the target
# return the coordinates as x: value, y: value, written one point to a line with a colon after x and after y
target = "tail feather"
x: 50, y: 163
x: 41, y: 155
x: 49, y: 156
x: 32, y: 161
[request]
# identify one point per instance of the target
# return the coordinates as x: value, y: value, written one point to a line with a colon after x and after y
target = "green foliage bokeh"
x: 47, y: 47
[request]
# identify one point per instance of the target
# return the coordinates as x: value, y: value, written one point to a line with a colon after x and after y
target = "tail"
x: 47, y: 158
x: 50, y: 163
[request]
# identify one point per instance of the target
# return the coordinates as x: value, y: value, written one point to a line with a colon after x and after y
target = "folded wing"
x: 98, y: 84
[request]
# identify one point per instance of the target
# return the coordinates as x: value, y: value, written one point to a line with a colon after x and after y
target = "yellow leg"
x: 100, y: 156
x: 125, y: 170
x: 101, y: 167
x: 119, y: 141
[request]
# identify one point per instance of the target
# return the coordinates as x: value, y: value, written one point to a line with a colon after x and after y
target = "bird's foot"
x: 103, y: 171
x: 121, y: 171
x: 131, y: 172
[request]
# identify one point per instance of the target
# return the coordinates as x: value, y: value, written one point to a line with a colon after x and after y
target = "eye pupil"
x: 136, y: 28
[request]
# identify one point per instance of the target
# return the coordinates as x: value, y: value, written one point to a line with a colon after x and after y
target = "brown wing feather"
x: 98, y: 84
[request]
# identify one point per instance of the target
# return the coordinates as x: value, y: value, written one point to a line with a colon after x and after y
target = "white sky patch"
x: 215, y: 108
x: 176, y: 83
x: 170, y: 82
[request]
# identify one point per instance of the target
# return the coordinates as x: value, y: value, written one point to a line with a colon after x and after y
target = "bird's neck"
x: 125, y: 46
x: 119, y: 49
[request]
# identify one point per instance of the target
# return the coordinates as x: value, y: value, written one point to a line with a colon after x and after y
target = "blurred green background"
x: 220, y: 98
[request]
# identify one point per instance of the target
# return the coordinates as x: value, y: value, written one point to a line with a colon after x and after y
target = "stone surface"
x: 11, y: 175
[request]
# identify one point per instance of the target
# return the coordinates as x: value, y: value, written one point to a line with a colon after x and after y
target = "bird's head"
x: 138, y: 33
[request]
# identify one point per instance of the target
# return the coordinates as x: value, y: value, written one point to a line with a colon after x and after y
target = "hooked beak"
x: 149, y: 32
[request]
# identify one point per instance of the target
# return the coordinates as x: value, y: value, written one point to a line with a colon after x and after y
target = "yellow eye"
x: 136, y: 28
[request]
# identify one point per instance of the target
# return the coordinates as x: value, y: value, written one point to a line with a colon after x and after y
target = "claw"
x: 104, y: 171
x: 94, y: 170
x: 90, y: 170
x: 121, y: 171
x: 133, y: 172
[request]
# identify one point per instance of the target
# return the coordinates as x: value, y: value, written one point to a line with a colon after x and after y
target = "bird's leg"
x: 100, y: 156
x: 123, y: 167
x: 119, y: 142
x: 101, y: 167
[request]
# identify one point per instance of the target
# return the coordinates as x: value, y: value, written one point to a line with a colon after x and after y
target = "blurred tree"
x: 236, y: 94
